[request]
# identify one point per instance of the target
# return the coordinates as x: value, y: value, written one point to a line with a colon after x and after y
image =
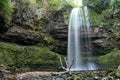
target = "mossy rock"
x: 111, y: 59
x: 16, y: 57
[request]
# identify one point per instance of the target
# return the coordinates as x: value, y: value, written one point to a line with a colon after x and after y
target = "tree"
x: 5, y: 14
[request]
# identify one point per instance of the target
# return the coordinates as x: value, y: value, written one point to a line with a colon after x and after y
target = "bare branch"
x: 62, y: 63
x: 71, y: 66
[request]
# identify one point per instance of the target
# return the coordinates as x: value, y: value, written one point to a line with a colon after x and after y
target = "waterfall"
x: 79, y: 42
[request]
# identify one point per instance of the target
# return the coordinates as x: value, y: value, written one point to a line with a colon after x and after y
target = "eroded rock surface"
x: 22, y: 36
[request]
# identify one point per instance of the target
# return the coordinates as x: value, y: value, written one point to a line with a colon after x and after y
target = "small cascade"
x: 79, y: 42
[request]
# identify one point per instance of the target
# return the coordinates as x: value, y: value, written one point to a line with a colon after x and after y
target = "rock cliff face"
x: 24, y: 14
x: 19, y: 35
x: 98, y: 36
x: 28, y: 27
x: 59, y: 30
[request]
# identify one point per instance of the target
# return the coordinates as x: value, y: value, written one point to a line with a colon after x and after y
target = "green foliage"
x: 111, y: 59
x: 108, y: 11
x: 111, y: 15
x: 73, y: 4
x: 30, y: 2
x: 40, y: 5
x: 115, y: 6
x: 95, y: 18
x: 22, y: 58
x: 98, y: 5
x: 118, y: 71
x: 51, y: 5
x: 55, y: 5
x: 5, y: 12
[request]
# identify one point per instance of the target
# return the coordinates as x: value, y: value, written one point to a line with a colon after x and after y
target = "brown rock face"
x: 98, y: 36
x: 22, y: 36
x: 58, y: 29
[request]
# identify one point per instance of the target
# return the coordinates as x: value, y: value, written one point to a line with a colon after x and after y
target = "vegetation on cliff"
x: 25, y: 58
x: 107, y: 12
x: 111, y: 59
x: 5, y: 14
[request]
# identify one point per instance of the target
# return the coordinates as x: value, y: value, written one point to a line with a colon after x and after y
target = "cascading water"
x: 79, y: 42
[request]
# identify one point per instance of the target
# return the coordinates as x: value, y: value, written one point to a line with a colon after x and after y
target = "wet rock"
x: 59, y: 30
x: 37, y: 76
x: 105, y: 78
x: 96, y: 77
x: 22, y: 36
x: 89, y: 78
x: 82, y: 75
x: 101, y: 46
x: 1, y: 74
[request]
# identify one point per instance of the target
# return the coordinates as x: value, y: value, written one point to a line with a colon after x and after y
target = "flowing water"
x: 79, y: 42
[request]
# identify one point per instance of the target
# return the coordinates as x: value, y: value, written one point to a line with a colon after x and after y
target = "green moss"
x: 111, y: 59
x: 16, y: 57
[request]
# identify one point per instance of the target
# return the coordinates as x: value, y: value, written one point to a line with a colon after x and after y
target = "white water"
x: 79, y: 42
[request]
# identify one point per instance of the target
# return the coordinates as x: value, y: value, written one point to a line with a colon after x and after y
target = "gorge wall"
x: 58, y: 28
x: 30, y: 26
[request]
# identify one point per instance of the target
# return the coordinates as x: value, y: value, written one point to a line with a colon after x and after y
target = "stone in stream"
x: 105, y: 78
x: 89, y: 78
x: 1, y: 74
